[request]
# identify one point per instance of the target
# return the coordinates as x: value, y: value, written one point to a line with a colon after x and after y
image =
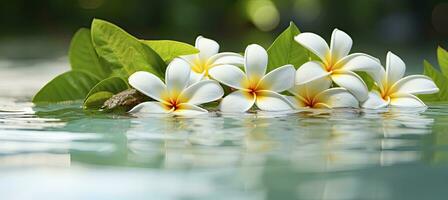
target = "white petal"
x: 238, y: 101
x: 148, y: 84
x: 338, y: 98
x: 256, y: 61
x: 311, y: 89
x: 395, y: 68
x: 314, y: 43
x: 229, y: 75
x: 309, y: 71
x: 203, y: 92
x: 191, y: 59
x: 272, y: 101
x: 195, y: 77
x: 415, y: 84
x: 375, y: 101
x: 365, y: 63
x: 279, y: 80
x: 352, y: 82
x: 150, y: 107
x: 186, y: 109
x: 406, y: 100
x: 340, y: 46
x: 226, y: 58
x: 177, y: 75
x: 207, y: 47
x: 296, y: 102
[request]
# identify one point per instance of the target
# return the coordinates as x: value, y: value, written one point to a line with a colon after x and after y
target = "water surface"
x: 63, y: 152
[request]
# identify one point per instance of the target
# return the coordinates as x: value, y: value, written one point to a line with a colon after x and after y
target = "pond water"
x: 63, y: 152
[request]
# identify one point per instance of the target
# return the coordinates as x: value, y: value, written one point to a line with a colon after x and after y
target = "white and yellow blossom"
x: 318, y: 94
x: 395, y: 90
x: 208, y: 57
x: 174, y: 96
x: 336, y: 63
x: 255, y: 86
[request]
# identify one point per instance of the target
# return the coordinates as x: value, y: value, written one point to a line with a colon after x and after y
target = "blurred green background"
x: 412, y: 29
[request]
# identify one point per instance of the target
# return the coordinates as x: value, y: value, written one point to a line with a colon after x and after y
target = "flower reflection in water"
x: 320, y: 154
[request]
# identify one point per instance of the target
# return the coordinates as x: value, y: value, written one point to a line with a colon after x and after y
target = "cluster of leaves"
x: 440, y: 78
x: 102, y: 59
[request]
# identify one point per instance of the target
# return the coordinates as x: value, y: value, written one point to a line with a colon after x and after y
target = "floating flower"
x: 255, y: 86
x: 208, y: 57
x: 176, y: 96
x: 318, y: 94
x: 393, y: 89
x: 336, y: 63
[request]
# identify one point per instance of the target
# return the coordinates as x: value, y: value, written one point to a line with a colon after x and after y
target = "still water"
x: 62, y: 152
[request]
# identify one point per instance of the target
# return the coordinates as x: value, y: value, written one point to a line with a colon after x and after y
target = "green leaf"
x: 112, y: 84
x: 169, y: 49
x: 284, y: 50
x: 442, y: 57
x: 96, y: 100
x: 367, y: 79
x: 69, y: 86
x: 123, y: 52
x: 439, y: 79
x: 83, y: 57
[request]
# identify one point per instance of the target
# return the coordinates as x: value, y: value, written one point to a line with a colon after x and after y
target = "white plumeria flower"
x: 208, y: 57
x: 394, y: 90
x: 176, y: 96
x: 318, y: 94
x: 255, y: 86
x: 336, y: 63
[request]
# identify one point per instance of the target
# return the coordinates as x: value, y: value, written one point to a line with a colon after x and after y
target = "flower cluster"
x: 329, y: 82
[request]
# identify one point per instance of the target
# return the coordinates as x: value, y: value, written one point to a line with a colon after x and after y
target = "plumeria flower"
x: 208, y: 57
x: 318, y: 94
x: 255, y: 86
x: 176, y: 96
x: 336, y: 63
x: 394, y: 90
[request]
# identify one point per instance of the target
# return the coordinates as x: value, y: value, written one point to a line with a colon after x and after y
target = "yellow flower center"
x: 252, y: 86
x: 328, y: 62
x: 173, y: 100
x: 310, y: 102
x: 331, y: 64
x: 386, y: 92
x: 200, y: 66
x: 329, y: 67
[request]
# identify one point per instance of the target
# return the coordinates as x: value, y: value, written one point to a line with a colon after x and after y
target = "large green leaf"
x: 83, y: 57
x: 99, y: 93
x: 169, y: 49
x: 439, y: 79
x: 442, y: 57
x: 69, y: 86
x: 284, y: 50
x: 123, y: 52
x: 112, y: 84
x: 96, y: 100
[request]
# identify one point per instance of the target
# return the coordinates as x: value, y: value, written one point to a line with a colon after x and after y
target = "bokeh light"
x: 263, y: 13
